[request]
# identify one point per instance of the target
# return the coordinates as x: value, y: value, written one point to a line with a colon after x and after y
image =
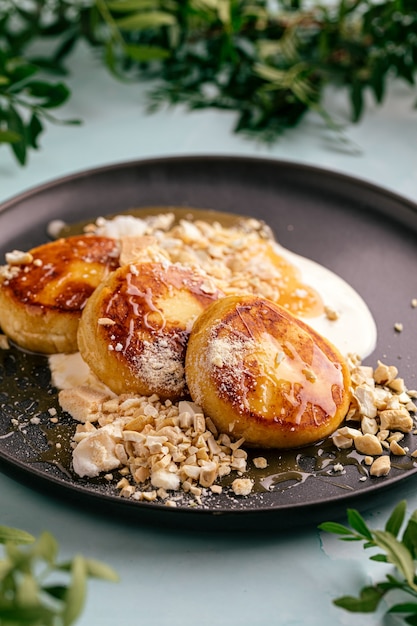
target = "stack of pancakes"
x: 148, y: 325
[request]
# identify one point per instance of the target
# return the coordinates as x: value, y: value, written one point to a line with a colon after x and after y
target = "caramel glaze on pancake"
x: 134, y: 330
x: 42, y: 298
x: 262, y: 374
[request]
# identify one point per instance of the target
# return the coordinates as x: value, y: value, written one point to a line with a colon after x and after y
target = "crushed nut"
x: 331, y: 314
x: 17, y: 257
x: 242, y: 486
x: 368, y: 444
x: 381, y: 466
x: 260, y: 462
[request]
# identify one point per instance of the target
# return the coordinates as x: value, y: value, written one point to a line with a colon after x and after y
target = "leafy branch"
x: 268, y: 65
x: 37, y: 589
x: 399, y: 551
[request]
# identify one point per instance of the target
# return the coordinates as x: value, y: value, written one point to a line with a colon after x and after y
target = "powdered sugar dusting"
x: 161, y: 366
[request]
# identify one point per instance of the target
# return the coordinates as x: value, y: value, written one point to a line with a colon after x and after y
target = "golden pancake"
x: 43, y: 291
x: 134, y: 330
x: 262, y: 374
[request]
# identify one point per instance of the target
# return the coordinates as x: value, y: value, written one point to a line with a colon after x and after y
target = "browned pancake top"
x: 274, y: 369
x: 63, y: 274
x: 142, y: 316
x: 151, y: 302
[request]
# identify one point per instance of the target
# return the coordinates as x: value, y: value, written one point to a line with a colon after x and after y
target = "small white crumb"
x: 398, y: 327
x: 414, y: 303
x: 54, y: 228
x: 105, y: 321
x: 331, y: 313
x: 338, y: 467
x: 17, y: 257
x: 166, y: 480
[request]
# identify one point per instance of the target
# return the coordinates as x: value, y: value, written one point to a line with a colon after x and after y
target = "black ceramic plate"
x: 366, y: 235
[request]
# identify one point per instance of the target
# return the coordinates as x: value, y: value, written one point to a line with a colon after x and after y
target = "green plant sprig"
x: 268, y: 65
x: 399, y: 550
x: 35, y: 588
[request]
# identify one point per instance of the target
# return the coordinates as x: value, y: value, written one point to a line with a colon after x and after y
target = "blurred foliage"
x: 268, y: 61
x: 396, y: 546
x: 38, y: 590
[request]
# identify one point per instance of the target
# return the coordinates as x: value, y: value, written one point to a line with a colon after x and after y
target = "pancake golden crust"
x: 262, y: 374
x: 43, y: 291
x: 134, y: 330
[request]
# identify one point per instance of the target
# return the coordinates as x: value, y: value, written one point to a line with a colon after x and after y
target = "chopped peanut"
x: 242, y: 486
x: 368, y: 444
x: 381, y: 466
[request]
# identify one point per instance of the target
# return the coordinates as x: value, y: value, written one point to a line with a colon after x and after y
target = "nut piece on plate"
x: 43, y: 292
x: 264, y: 375
x: 134, y: 329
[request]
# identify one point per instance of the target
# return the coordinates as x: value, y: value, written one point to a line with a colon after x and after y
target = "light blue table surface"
x: 169, y: 577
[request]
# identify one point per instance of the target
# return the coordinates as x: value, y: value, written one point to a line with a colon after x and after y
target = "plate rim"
x: 321, y: 172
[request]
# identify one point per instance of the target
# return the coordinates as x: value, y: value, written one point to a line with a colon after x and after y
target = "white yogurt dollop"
x: 354, y: 331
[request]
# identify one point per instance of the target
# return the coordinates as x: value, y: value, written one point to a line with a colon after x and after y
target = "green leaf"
x: 24, y: 598
x: 34, y: 129
x: 130, y: 5
x: 409, y: 538
x: 17, y: 125
x: 224, y: 11
x: 377, y: 79
x: 405, y: 607
x: 356, y: 97
x: 15, y: 535
x: 147, y: 19
x: 51, y: 95
x: 97, y: 569
x: 20, y: 73
x: 46, y: 548
x: 27, y: 591
x: 66, y: 46
x: 397, y: 554
x: 76, y: 592
x: 25, y: 615
x: 144, y: 53
x: 9, y: 136
x: 367, y: 602
x: 396, y: 519
x: 358, y: 523
x: 335, y: 528
x: 380, y: 558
